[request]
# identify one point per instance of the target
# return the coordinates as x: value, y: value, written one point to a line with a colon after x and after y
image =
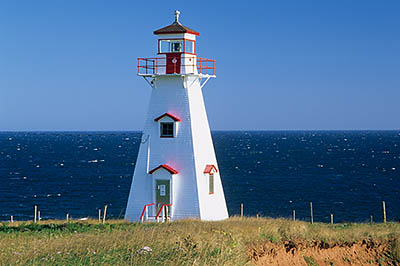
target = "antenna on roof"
x: 177, y: 13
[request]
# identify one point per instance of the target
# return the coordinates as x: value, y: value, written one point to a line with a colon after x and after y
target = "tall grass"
x: 186, y: 242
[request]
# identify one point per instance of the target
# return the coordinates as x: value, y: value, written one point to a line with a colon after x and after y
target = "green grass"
x: 186, y: 242
x: 310, y: 261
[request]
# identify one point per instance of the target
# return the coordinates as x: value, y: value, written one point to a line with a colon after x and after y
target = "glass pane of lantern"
x: 189, y: 47
x: 176, y: 46
x: 164, y: 46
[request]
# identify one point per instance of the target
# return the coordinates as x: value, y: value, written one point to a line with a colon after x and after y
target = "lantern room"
x: 176, y: 38
x: 177, y: 53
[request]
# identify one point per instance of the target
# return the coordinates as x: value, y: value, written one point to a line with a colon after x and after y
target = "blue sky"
x: 281, y: 65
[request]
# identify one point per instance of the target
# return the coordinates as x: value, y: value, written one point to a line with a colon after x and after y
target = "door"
x: 173, y: 63
x: 163, y: 193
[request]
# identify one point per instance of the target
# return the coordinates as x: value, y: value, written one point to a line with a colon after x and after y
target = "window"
x: 171, y: 46
x: 176, y: 46
x: 167, y: 129
x: 162, y: 190
x: 189, y: 46
x: 211, y: 184
x: 164, y: 46
x: 168, y: 125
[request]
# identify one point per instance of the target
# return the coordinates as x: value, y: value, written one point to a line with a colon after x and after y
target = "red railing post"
x: 213, y: 67
x: 144, y: 210
x: 159, y: 211
x: 156, y: 66
x: 200, y: 65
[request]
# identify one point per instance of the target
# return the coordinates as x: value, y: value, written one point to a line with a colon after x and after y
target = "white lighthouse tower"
x: 176, y: 174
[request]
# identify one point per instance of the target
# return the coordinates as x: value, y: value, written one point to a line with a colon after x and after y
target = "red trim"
x: 209, y: 168
x: 178, y: 32
x: 162, y: 206
x: 176, y: 119
x: 171, y: 170
x: 177, y: 53
x: 176, y: 39
x: 144, y: 209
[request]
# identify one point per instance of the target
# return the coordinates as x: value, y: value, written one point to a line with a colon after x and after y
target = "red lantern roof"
x: 171, y: 170
x: 176, y: 27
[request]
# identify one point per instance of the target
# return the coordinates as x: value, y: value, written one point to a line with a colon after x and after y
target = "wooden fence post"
x: 67, y: 217
x: 104, y: 214
x: 331, y: 218
x: 99, y: 215
x: 371, y: 219
x: 241, y: 209
x: 39, y: 216
x: 12, y: 219
x: 311, y: 214
x: 294, y: 215
x: 384, y: 211
x: 35, y: 215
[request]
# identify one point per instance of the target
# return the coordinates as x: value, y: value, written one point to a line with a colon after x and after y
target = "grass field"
x: 186, y: 242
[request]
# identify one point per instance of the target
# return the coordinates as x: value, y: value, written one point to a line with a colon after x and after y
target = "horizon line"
x: 223, y: 130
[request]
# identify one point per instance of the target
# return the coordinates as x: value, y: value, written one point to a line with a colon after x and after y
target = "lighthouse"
x: 176, y: 173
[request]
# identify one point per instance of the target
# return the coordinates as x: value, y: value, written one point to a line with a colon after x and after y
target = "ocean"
x: 346, y: 173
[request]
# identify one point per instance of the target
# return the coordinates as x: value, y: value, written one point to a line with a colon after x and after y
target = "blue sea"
x: 347, y: 173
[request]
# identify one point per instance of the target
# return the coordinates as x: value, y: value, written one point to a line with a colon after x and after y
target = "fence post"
x: 35, y: 215
x: 331, y: 218
x: 241, y: 209
x: 311, y: 214
x: 105, y: 213
x: 294, y: 215
x: 99, y: 215
x: 384, y: 211
x: 12, y: 219
x: 371, y: 219
x: 67, y: 217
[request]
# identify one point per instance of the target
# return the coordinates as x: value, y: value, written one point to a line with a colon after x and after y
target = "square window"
x: 167, y: 129
x: 176, y: 46
x: 189, y: 46
x: 164, y: 46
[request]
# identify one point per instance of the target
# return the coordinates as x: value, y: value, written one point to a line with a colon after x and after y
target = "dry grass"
x: 396, y: 248
x: 186, y: 242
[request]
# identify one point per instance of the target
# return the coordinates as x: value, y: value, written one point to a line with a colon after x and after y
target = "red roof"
x: 175, y: 27
x: 209, y: 168
x: 171, y: 170
x: 176, y: 119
